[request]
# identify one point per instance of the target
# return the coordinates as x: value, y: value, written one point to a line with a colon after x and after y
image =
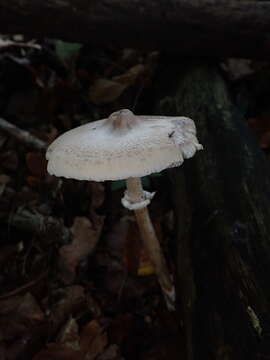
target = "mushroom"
x: 127, y: 146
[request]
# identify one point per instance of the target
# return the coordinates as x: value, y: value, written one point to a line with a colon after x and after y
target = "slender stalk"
x: 135, y: 193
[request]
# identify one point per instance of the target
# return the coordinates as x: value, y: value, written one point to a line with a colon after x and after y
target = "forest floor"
x: 75, y: 280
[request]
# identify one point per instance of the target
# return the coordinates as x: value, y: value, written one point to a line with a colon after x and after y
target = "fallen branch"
x: 22, y: 135
x: 191, y: 27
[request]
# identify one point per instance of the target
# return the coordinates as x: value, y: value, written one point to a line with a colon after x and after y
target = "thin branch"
x: 22, y: 135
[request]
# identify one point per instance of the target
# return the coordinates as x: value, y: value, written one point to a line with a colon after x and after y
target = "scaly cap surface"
x: 121, y: 146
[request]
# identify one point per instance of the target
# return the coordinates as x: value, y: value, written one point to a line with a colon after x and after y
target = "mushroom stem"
x: 136, y: 194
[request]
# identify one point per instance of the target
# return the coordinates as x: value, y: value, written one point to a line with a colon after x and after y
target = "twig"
x: 8, y: 43
x: 24, y: 287
x: 22, y: 135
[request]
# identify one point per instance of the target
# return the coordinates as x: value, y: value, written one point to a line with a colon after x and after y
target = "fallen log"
x: 223, y: 221
x: 191, y: 27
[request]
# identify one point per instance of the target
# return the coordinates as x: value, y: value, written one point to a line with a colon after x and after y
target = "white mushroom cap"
x: 121, y: 146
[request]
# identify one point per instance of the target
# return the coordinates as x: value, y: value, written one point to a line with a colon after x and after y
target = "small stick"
x: 24, y: 287
x: 22, y: 135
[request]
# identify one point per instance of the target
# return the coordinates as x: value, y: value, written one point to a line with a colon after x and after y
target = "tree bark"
x: 223, y: 256
x: 191, y: 27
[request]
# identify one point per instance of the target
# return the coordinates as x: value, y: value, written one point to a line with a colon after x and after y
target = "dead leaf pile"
x: 75, y: 280
x: 88, y: 344
x: 85, y: 236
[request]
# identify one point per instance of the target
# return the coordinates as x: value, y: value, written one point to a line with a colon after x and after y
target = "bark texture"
x: 223, y: 249
x: 191, y: 27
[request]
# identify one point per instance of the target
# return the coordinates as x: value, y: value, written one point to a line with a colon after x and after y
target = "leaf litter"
x: 76, y: 282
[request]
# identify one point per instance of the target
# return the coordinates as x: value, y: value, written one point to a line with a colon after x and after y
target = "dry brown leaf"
x: 105, y: 91
x: 29, y: 308
x: 93, y: 340
x: 69, y: 335
x: 85, y: 238
x: 59, y: 352
x: 21, y: 321
x: 21, y: 308
x: 70, y: 346
x: 111, y: 353
x: 73, y: 299
x: 36, y: 164
x: 129, y: 77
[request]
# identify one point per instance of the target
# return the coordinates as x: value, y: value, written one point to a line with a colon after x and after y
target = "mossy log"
x: 222, y: 208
